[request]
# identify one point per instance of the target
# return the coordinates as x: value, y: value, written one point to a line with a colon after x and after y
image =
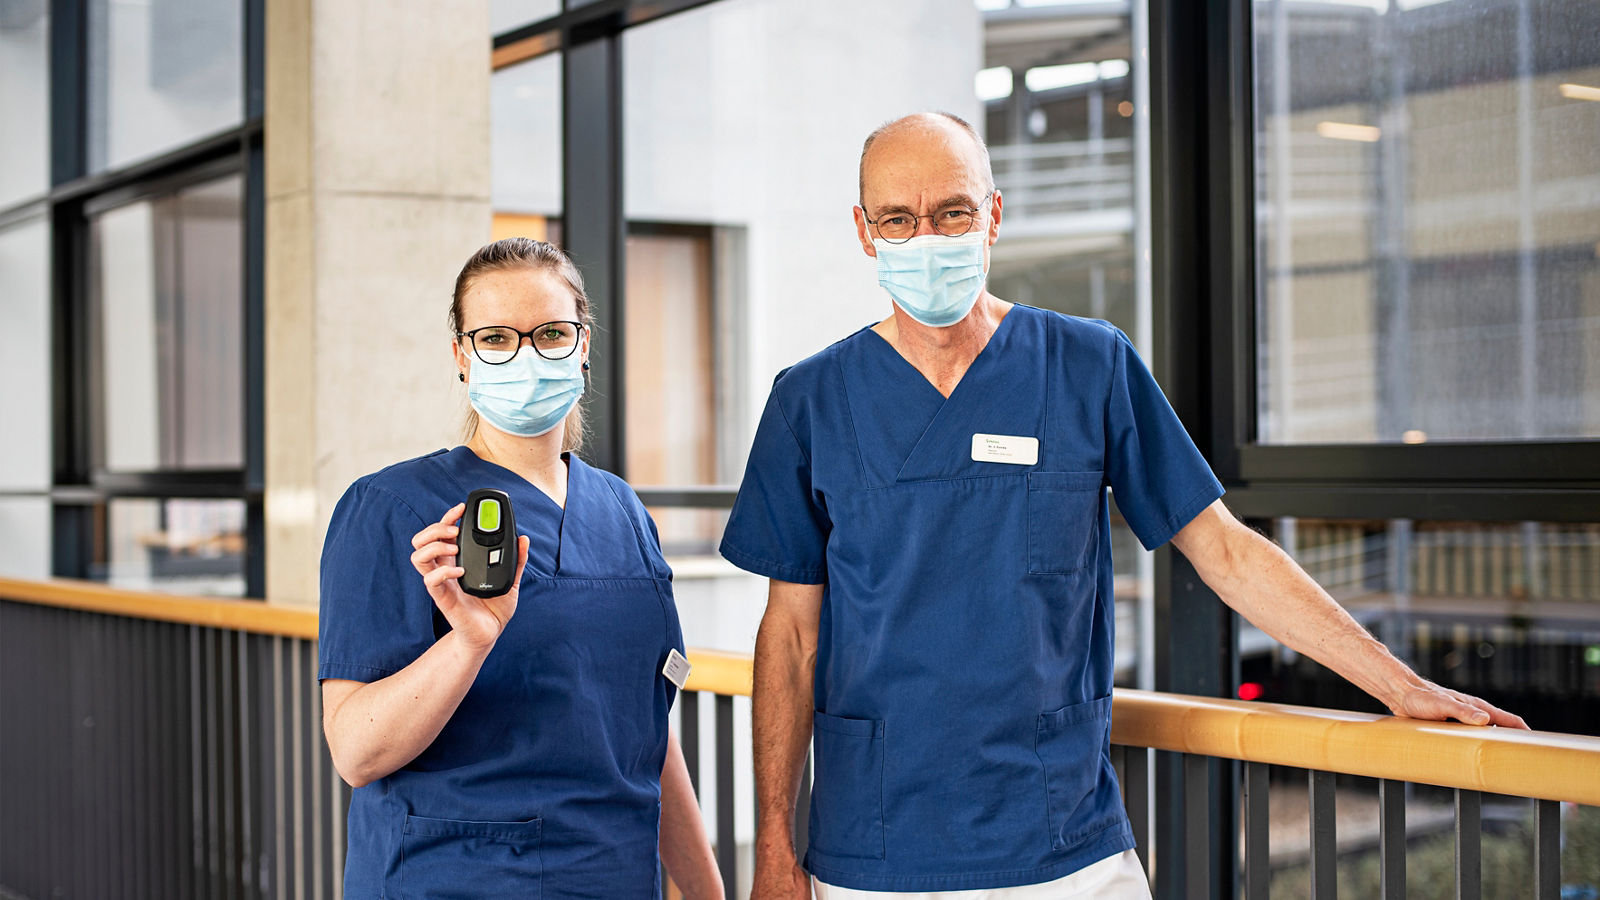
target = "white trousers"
x: 1117, y: 877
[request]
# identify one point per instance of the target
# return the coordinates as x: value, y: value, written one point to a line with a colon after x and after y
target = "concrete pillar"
x: 377, y: 186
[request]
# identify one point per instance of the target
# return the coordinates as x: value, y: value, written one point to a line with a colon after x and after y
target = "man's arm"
x: 1259, y: 580
x: 785, y: 663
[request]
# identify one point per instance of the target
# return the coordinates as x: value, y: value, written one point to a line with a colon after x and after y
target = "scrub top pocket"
x: 1070, y: 742
x: 1063, y: 519
x: 847, y: 820
x: 446, y: 859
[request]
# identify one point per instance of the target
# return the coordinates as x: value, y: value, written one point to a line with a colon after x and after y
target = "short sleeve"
x: 1159, y: 479
x: 779, y: 526
x: 376, y: 617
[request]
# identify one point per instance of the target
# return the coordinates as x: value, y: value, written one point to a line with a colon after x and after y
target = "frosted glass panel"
x: 24, y: 100
x: 1429, y: 221
x: 25, y: 357
x: 25, y: 522
x: 161, y: 74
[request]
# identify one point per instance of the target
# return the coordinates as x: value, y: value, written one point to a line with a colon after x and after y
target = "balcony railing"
x: 1064, y: 177
x: 159, y: 746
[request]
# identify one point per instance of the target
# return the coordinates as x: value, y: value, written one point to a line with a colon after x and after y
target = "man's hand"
x: 779, y: 880
x: 1430, y: 701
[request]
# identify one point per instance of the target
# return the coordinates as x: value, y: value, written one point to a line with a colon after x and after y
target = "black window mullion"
x: 254, y: 57
x: 1202, y: 269
x: 69, y: 96
x: 254, y: 362
x: 593, y: 227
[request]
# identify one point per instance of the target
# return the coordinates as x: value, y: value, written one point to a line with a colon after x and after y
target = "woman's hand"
x: 476, y: 621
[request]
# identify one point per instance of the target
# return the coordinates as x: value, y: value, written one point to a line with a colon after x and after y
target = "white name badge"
x: 676, y: 669
x: 1005, y: 448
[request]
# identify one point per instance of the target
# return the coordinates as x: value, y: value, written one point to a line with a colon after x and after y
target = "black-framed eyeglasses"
x: 496, y: 344
x: 952, y: 221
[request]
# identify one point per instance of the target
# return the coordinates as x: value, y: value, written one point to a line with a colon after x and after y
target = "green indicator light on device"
x: 489, y: 515
x: 1591, y: 655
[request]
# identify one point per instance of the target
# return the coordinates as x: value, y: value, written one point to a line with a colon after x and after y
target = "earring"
x: 586, y: 365
x: 461, y: 376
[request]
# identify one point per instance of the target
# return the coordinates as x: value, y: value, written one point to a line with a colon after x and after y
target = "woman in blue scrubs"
x: 515, y: 746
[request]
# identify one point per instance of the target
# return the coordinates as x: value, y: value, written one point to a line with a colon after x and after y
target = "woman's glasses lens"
x: 552, y: 340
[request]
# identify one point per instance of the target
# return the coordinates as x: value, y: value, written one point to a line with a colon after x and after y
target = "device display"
x: 488, y: 542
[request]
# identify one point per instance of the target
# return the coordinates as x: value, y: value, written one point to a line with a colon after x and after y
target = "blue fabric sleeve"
x: 779, y: 526
x: 1159, y: 479
x: 377, y: 617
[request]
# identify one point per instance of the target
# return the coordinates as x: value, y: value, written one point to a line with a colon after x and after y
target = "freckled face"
x: 520, y: 298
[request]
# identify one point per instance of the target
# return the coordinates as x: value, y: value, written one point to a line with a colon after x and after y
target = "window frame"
x: 79, y: 487
x: 1205, y: 215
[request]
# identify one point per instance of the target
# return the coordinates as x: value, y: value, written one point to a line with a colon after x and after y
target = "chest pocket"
x: 1063, y: 520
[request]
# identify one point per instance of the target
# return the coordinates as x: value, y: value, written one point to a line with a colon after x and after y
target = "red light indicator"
x: 1249, y: 691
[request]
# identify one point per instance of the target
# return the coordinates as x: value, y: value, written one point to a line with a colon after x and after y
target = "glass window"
x: 670, y: 342
x: 177, y: 546
x: 161, y: 75
x: 505, y: 15
x: 742, y: 256
x: 1429, y: 220
x: 1509, y: 611
x: 25, y: 355
x: 525, y: 142
x: 25, y: 521
x: 168, y: 284
x: 24, y: 99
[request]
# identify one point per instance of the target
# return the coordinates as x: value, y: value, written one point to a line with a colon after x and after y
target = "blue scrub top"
x: 964, y: 663
x: 546, y: 780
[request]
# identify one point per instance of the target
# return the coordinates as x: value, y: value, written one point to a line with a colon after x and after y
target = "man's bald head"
x: 932, y: 126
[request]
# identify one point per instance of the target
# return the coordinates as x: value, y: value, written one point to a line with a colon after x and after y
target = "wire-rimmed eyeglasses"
x: 951, y: 221
x: 496, y: 344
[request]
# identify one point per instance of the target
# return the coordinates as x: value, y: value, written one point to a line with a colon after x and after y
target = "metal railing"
x: 170, y: 747
x: 1064, y: 177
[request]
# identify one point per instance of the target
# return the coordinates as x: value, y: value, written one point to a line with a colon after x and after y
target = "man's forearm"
x: 785, y: 661
x: 1270, y: 590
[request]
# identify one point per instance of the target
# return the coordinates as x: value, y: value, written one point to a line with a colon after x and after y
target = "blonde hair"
x: 511, y: 254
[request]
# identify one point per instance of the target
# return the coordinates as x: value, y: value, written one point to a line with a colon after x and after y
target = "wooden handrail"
x: 252, y: 616
x: 1542, y: 764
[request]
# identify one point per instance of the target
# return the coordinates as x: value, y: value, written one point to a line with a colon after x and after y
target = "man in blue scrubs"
x: 928, y: 499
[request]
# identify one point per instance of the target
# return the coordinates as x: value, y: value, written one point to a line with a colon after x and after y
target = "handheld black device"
x: 488, y: 542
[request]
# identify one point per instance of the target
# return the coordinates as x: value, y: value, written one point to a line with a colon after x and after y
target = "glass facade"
x: 741, y: 254
x: 176, y: 546
x: 25, y: 465
x: 25, y: 354
x: 1509, y: 611
x: 161, y: 75
x: 505, y: 15
x: 167, y: 282
x: 24, y: 100
x: 525, y: 148
x: 1428, y: 220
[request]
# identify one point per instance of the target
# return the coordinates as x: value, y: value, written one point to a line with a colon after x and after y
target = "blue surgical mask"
x: 529, y: 395
x: 935, y: 278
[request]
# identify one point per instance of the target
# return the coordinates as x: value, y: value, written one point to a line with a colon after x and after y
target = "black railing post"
x: 1469, y: 845
x: 1256, y: 838
x: 727, y: 838
x: 1324, y: 837
x: 1547, y: 849
x: 1392, y: 838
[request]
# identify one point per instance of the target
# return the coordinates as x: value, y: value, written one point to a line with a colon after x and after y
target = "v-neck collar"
x: 551, y: 508
x: 980, y: 359
x: 920, y: 453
